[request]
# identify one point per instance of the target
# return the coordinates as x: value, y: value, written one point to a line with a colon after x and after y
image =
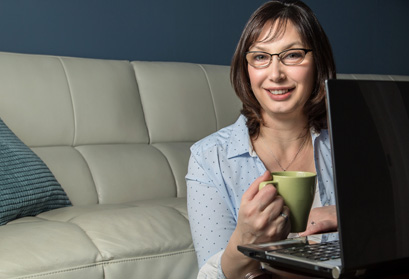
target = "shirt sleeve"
x: 211, y: 220
x: 211, y: 269
x: 323, y: 164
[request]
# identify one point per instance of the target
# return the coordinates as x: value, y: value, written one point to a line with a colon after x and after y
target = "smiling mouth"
x: 279, y: 92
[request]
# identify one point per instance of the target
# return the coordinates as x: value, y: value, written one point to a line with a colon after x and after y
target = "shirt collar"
x: 239, y: 141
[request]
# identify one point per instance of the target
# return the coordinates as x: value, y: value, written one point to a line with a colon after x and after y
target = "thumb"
x: 253, y: 189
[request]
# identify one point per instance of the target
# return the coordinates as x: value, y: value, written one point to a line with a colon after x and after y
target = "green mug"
x: 297, y: 188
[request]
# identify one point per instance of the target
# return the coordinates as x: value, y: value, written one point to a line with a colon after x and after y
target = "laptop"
x: 369, y: 133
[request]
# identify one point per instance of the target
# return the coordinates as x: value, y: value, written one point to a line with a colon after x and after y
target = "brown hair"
x: 312, y: 34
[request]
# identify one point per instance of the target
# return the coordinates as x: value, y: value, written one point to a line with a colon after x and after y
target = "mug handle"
x: 264, y: 183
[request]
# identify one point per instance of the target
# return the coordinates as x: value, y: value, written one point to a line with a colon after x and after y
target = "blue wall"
x: 368, y: 36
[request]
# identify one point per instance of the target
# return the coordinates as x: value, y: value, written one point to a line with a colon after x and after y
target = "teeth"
x: 278, y: 92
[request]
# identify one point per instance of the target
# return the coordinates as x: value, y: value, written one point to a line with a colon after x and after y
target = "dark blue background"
x: 368, y: 36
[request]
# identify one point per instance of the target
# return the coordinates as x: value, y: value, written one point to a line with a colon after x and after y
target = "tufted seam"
x: 71, y: 98
x: 91, y: 173
x: 75, y: 124
x: 80, y: 228
x: 211, y: 93
x: 136, y: 259
x: 170, y: 167
x: 60, y: 271
x: 105, y: 263
x: 142, y: 104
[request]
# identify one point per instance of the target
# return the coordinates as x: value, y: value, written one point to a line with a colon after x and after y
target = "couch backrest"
x: 114, y: 131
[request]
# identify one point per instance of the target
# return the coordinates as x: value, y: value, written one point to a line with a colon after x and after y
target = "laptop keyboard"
x: 317, y: 251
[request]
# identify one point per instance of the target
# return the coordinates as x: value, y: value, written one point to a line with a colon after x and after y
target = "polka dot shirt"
x: 221, y: 168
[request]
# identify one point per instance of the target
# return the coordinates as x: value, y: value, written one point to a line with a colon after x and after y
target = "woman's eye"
x: 260, y: 57
x: 293, y: 55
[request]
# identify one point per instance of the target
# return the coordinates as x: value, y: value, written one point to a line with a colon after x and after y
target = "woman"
x: 278, y: 71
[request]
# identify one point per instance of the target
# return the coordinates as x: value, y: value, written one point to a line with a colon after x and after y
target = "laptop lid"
x: 369, y: 130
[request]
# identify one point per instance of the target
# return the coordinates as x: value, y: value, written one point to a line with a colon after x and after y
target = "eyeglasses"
x: 289, y: 57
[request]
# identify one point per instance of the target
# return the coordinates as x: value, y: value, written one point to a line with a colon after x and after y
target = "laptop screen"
x: 369, y: 128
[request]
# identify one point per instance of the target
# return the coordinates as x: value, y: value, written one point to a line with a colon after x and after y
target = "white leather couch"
x: 116, y: 135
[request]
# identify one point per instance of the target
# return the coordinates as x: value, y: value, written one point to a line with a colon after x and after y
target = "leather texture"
x: 116, y: 135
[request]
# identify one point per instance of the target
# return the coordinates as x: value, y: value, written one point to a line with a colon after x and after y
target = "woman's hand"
x: 321, y: 219
x: 259, y: 220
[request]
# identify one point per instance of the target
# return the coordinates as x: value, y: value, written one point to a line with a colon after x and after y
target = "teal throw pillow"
x: 27, y: 186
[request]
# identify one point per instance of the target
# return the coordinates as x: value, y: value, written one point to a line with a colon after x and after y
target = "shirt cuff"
x: 212, y: 269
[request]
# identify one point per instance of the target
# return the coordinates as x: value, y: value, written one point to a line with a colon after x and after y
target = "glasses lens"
x: 258, y: 59
x: 292, y: 56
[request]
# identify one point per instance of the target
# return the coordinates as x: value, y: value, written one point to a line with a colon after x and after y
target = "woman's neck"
x: 285, y: 144
x: 283, y: 130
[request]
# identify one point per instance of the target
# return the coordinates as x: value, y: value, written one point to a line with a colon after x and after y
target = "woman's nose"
x: 275, y: 69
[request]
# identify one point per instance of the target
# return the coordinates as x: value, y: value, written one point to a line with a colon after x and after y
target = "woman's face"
x: 282, y: 90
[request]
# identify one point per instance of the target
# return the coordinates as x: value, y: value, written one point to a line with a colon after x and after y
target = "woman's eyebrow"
x: 288, y: 46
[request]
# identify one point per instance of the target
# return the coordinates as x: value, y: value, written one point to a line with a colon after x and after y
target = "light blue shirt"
x: 222, y: 166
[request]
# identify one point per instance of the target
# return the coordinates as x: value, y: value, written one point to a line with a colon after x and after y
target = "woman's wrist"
x: 235, y: 264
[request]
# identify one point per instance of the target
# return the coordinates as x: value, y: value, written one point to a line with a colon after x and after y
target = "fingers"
x: 253, y: 189
x: 321, y: 219
x: 316, y: 227
x: 265, y: 201
x: 283, y: 217
x: 276, y: 213
x: 268, y: 197
x: 263, y: 208
x: 312, y: 228
x: 273, y: 204
x: 259, y: 214
x: 286, y: 224
x: 280, y: 226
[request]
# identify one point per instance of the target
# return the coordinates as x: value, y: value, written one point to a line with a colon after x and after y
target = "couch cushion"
x: 185, y: 102
x: 27, y: 186
x: 32, y: 246
x: 128, y: 172
x: 131, y: 240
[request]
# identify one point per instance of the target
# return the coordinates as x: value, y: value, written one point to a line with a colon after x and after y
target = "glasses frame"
x: 306, y: 51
